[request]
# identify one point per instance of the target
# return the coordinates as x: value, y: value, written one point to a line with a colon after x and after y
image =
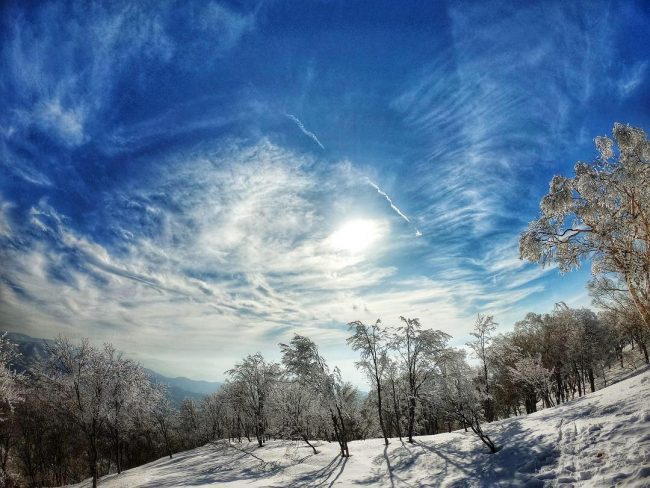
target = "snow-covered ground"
x: 602, y: 439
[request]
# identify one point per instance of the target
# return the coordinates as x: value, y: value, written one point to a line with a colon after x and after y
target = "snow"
x: 601, y: 439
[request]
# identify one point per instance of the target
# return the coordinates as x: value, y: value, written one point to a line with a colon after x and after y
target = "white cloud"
x: 631, y: 78
x: 234, y: 243
x: 67, y: 123
x: 66, y: 88
x: 5, y: 224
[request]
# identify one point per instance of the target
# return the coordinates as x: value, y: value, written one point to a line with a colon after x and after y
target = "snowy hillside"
x: 602, y: 439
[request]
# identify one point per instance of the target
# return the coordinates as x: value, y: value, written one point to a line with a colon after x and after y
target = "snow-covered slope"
x: 602, y: 439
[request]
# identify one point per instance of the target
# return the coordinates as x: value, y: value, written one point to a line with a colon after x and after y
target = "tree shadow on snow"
x: 522, y: 455
x: 325, y: 476
x: 195, y: 469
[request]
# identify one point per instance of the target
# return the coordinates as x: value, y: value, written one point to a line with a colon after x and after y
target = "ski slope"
x: 601, y: 439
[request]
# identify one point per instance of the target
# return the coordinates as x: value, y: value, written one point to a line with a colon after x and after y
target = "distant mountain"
x: 33, y: 349
x: 181, y: 387
x: 195, y: 386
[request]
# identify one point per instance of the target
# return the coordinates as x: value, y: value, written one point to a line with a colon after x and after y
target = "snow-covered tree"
x: 212, y: 414
x: 394, y: 387
x: 460, y: 397
x: 482, y: 333
x: 257, y: 378
x: 603, y: 212
x: 126, y: 388
x: 370, y: 341
x: 10, y: 389
x: 296, y: 412
x: 534, y: 379
x: 79, y: 377
x: 162, y: 413
x: 623, y: 316
x: 418, y: 350
x: 11, y: 393
x: 302, y: 359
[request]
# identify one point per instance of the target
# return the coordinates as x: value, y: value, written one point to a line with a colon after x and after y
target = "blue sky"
x: 195, y: 181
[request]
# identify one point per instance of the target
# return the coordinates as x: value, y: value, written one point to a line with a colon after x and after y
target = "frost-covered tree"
x: 212, y: 413
x: 603, y: 212
x: 370, y: 341
x: 162, y: 413
x: 482, y: 333
x: 127, y: 384
x: 79, y: 378
x: 534, y: 379
x: 506, y: 393
x: 234, y: 395
x: 257, y: 378
x: 11, y: 393
x: 302, y: 359
x: 626, y: 322
x: 296, y: 412
x: 188, y: 423
x: 394, y: 386
x: 418, y: 350
x: 460, y: 397
x: 10, y: 389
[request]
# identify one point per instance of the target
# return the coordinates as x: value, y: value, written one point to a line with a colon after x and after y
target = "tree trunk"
x: 396, y: 409
x: 118, y: 464
x: 488, y: 410
x: 93, y: 455
x: 337, y: 432
x: 592, y: 383
x: 304, y: 438
x: 476, y: 427
x: 643, y: 348
x: 411, y: 418
x: 643, y: 309
x: 343, y: 438
x: 379, y: 411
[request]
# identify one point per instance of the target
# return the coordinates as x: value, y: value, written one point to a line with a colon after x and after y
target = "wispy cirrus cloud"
x: 487, y: 127
x: 632, y: 78
x: 237, y: 238
x: 151, y: 193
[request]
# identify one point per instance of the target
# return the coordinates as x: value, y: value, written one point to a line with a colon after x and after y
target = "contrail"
x: 392, y: 205
x: 385, y: 195
x: 308, y: 133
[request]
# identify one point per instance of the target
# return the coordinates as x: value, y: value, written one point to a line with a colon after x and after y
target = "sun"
x: 357, y: 235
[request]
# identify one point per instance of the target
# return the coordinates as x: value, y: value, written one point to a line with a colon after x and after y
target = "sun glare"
x: 356, y: 235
